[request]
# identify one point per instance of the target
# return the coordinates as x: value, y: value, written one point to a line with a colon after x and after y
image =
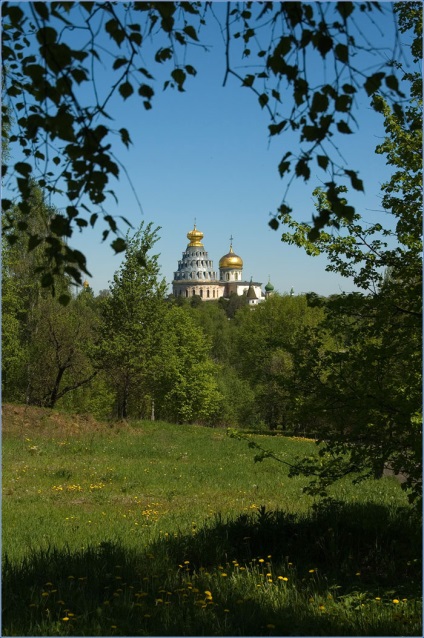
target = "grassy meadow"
x: 154, y: 529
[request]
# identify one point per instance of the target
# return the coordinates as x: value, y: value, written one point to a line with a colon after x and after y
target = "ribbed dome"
x: 195, y: 236
x: 231, y: 260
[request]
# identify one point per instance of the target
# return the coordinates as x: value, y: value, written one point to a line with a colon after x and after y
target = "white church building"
x: 195, y: 274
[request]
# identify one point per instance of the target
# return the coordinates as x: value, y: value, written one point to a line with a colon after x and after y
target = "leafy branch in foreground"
x: 326, y: 466
x: 59, y: 110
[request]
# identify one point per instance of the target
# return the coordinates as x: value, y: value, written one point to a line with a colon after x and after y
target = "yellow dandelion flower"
x: 261, y: 560
x: 65, y: 619
x: 377, y: 598
x: 223, y: 574
x: 45, y: 593
x: 322, y: 607
x: 396, y: 601
x: 270, y: 626
x: 358, y: 574
x: 226, y: 611
x: 311, y: 571
x: 208, y: 593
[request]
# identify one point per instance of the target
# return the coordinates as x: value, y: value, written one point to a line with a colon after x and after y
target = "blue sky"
x: 205, y: 154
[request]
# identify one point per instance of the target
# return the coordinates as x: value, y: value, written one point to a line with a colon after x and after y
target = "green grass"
x: 120, y: 530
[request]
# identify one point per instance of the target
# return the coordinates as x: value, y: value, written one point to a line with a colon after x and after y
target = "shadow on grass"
x: 223, y: 580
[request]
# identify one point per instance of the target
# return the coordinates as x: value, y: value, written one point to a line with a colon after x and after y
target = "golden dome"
x: 86, y: 284
x: 231, y: 260
x: 195, y: 236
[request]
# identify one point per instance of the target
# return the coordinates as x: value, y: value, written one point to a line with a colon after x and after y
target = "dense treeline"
x: 134, y: 352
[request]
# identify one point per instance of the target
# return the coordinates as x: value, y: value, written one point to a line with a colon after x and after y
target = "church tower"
x: 230, y: 267
x: 195, y: 274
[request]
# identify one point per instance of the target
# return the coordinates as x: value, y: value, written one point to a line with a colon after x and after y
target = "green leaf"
x: 145, y: 72
x: 322, y: 42
x: 357, y: 183
x: 136, y: 38
x: 323, y: 161
x: 191, y: 32
x: 343, y: 127
x: 119, y: 62
x: 343, y: 103
x: 310, y: 133
x: 248, y: 80
x: 64, y: 299
x: 179, y: 76
x: 41, y: 9
x: 319, y: 102
x: 263, y: 99
x: 23, y: 168
x: 274, y: 223
x: 125, y: 137
x: 116, y: 33
x: 47, y: 280
x: 46, y: 35
x: 284, y: 165
x: 146, y: 91
x: 313, y: 234
x: 302, y: 169
x: 72, y: 212
x: 275, y: 129
x: 163, y: 54
x: 33, y: 242
x: 126, y: 89
x: 79, y: 75
x: 373, y: 82
x: 393, y: 84
x: 341, y: 52
x: 345, y: 9
x: 348, y: 88
x: 119, y: 245
x: 190, y: 69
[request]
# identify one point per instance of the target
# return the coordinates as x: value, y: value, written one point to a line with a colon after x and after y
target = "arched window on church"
x: 227, y: 276
x: 207, y: 293
x: 201, y: 292
x: 186, y: 293
x: 194, y: 292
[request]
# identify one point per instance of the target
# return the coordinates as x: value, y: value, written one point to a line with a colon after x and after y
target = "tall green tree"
x: 369, y: 388
x: 185, y: 377
x: 265, y: 340
x: 60, y: 358
x: 22, y: 292
x: 130, y: 331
